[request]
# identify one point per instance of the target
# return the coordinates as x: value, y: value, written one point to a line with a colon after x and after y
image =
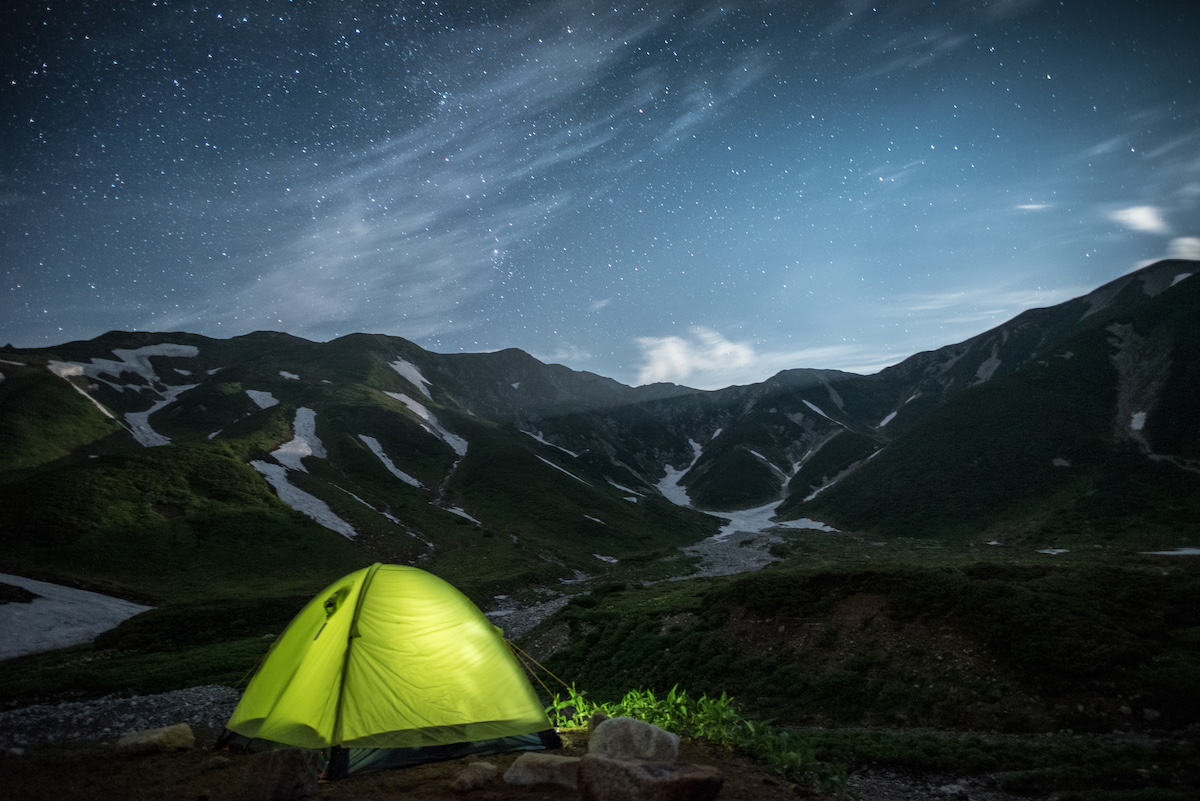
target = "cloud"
x: 1184, y: 247
x: 1147, y: 219
x: 707, y: 360
x: 1034, y: 206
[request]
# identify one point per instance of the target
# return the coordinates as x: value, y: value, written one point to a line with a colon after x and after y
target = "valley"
x: 997, y: 538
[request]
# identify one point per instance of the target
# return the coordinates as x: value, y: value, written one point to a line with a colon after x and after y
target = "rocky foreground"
x: 108, y: 717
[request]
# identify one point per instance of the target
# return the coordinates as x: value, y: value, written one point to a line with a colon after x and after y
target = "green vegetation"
x: 43, y: 420
x: 167, y: 524
x: 983, y: 645
x: 821, y: 760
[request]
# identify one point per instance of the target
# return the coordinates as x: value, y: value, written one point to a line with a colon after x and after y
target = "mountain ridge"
x: 548, y: 472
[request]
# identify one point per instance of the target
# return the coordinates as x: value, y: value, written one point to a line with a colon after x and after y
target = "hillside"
x: 174, y: 466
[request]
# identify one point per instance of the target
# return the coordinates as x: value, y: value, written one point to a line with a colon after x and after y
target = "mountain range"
x: 176, y: 465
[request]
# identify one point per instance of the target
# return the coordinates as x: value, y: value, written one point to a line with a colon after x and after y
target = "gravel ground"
x: 111, y: 716
x: 518, y: 621
x: 726, y: 555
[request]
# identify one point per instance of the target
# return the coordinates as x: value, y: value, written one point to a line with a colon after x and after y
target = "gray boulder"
x: 534, y: 768
x: 606, y: 779
x: 626, y: 738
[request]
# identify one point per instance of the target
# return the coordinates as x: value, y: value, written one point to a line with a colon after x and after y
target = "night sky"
x: 688, y: 192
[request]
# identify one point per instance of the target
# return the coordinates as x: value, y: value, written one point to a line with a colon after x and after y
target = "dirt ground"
x: 96, y: 771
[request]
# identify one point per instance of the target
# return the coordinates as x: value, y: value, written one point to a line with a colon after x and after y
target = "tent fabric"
x: 388, y: 657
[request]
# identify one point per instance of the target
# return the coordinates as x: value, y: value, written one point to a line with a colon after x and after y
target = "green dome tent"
x: 391, y: 666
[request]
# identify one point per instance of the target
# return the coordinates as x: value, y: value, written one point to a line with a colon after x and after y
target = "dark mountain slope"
x: 120, y: 456
x: 1082, y: 441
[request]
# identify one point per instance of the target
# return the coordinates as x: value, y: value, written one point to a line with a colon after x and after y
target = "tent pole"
x: 353, y: 633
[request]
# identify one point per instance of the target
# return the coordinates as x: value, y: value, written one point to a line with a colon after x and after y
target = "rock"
x: 284, y: 775
x: 574, y: 738
x: 474, y: 777
x: 626, y: 738
x: 603, y: 778
x: 169, y: 738
x: 534, y: 768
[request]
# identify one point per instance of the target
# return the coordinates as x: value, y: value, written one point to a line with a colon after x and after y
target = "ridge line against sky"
x: 678, y: 191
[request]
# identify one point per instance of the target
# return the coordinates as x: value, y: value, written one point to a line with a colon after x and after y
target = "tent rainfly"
x: 386, y: 667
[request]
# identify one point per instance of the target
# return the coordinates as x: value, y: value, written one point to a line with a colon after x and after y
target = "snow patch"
x: 1173, y: 552
x: 568, y: 472
x: 669, y: 486
x: 377, y: 449
x: 1060, y: 462
x: 14, y: 364
x: 596, y: 520
x: 135, y: 361
x: 612, y: 560
x: 988, y: 367
x: 1180, y: 277
x: 289, y: 376
x: 760, y: 519
x: 463, y: 513
x: 887, y: 419
x: 817, y: 409
x: 1137, y: 421
x: 139, y: 422
x: 263, y: 400
x: 304, y: 442
x: 391, y: 517
x: 624, y: 489
x: 410, y: 373
x: 431, y: 424
x: 822, y: 488
x: 1053, y: 551
x: 538, y: 436
x: 301, y: 501
x: 61, y: 617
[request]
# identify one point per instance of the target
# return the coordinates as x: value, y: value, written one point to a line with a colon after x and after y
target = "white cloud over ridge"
x: 707, y: 360
x: 1147, y: 219
x: 1184, y: 247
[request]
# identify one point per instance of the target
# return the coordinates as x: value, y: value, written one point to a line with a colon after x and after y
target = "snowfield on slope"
x: 302, y: 501
x: 61, y: 617
x: 304, y: 442
x: 431, y: 424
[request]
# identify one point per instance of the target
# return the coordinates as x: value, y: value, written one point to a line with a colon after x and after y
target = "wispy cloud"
x: 1147, y: 219
x: 409, y: 237
x: 982, y: 304
x: 920, y: 33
